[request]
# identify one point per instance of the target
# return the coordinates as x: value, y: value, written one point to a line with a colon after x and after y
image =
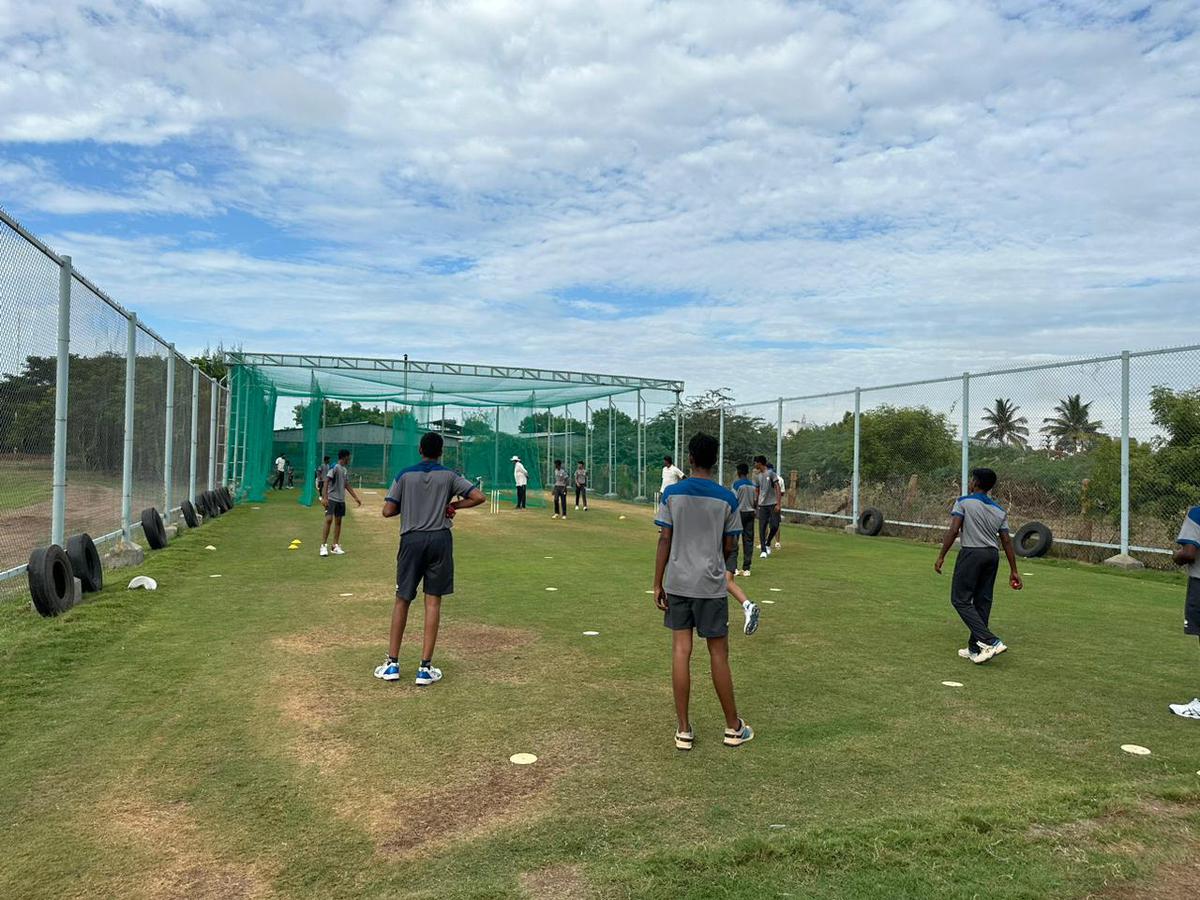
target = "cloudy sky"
x: 771, y: 196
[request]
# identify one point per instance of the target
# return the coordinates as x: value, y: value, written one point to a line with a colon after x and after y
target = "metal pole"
x: 62, y: 380
x: 215, y: 391
x: 855, y: 476
x: 567, y: 429
x: 245, y: 432
x: 611, y: 492
x: 641, y: 460
x: 169, y: 441
x: 779, y: 440
x: 227, y: 391
x: 496, y: 449
x: 675, y: 458
x: 127, y: 457
x: 195, y: 449
x: 721, y: 444
x: 966, y: 430
x: 1125, y: 452
x: 387, y: 442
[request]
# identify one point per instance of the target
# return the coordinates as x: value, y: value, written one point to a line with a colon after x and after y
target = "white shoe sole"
x: 395, y: 677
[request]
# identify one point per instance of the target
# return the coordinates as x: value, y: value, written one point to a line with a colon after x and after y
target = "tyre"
x: 51, y: 580
x: 229, y: 499
x: 152, y: 527
x: 870, y: 521
x: 1032, y: 539
x: 85, y: 562
x: 211, y: 510
x: 189, y: 514
x: 223, y: 500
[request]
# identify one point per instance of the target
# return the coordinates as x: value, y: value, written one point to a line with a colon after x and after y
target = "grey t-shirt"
x: 336, y: 479
x: 983, y: 520
x: 744, y: 490
x: 699, y: 513
x: 768, y: 493
x: 581, y: 477
x: 423, y: 492
x: 1189, y: 534
x: 560, y: 478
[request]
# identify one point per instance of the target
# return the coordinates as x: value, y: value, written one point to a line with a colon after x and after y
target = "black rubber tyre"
x: 85, y: 562
x: 189, y: 514
x: 1033, y: 539
x: 152, y: 527
x: 51, y: 580
x: 217, y: 505
x: 870, y: 521
x: 211, y: 510
x: 228, y: 493
x: 222, y: 500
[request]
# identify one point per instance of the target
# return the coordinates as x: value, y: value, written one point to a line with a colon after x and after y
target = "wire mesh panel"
x: 181, y: 446
x: 818, y: 458
x: 1164, y: 427
x: 149, y: 424
x: 28, y: 351
x: 750, y: 431
x: 203, y: 435
x: 95, y: 415
x: 910, y: 456
x: 1053, y: 438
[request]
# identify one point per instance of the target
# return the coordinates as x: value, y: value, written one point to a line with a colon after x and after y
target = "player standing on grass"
x: 671, y: 474
x: 333, y: 498
x: 769, y: 502
x: 280, y: 471
x: 581, y: 478
x: 699, y: 527
x: 423, y: 497
x: 777, y: 515
x: 560, y: 488
x: 747, y: 495
x: 983, y: 525
x: 521, y: 480
x: 322, y: 471
x: 1188, y: 555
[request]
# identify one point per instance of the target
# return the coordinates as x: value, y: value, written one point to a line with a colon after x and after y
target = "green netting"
x: 253, y: 422
x: 312, y: 456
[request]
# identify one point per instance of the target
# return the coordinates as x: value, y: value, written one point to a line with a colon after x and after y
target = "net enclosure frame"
x: 565, y: 414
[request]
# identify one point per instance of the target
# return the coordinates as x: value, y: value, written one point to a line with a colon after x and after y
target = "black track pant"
x: 278, y: 484
x: 560, y: 500
x: 581, y: 491
x: 521, y: 490
x: 768, y: 524
x: 971, y: 592
x: 747, y: 539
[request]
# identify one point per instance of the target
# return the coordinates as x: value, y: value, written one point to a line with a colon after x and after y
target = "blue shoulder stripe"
x: 1194, y: 514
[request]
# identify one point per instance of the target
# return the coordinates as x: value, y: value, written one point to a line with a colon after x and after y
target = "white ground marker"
x: 210, y: 547
x: 952, y: 683
x: 552, y: 589
x: 1136, y: 749
x: 522, y: 759
x: 772, y: 602
x: 214, y: 576
x: 776, y: 590
x: 345, y: 595
x: 591, y: 633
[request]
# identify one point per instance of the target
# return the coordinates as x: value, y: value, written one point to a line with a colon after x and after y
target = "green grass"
x: 224, y: 737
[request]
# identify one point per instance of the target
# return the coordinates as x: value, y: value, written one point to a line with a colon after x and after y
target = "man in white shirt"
x: 671, y: 474
x: 521, y: 479
x: 280, y: 470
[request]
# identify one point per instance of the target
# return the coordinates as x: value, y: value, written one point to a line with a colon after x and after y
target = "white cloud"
x: 929, y: 177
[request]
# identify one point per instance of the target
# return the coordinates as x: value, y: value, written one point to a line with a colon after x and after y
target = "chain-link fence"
x: 1103, y: 451
x: 64, y: 477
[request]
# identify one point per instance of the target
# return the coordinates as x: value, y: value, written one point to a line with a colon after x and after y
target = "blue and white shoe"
x: 428, y: 675
x: 735, y: 737
x: 751, y: 612
x: 389, y: 671
x: 987, y: 651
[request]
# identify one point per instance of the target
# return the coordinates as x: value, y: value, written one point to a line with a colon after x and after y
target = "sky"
x: 769, y: 197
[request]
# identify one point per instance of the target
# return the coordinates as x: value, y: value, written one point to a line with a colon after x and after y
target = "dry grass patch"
x: 555, y: 883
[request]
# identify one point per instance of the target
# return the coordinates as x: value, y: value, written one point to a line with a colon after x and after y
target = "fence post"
x: 214, y: 404
x: 567, y: 429
x: 678, y: 404
x: 611, y: 472
x: 1123, y: 560
x: 855, y: 476
x: 966, y: 432
x: 641, y: 448
x: 62, y: 377
x: 779, y: 439
x: 721, y: 444
x: 195, y: 448
x: 228, y: 393
x: 496, y: 449
x: 169, y: 442
x: 127, y: 457
x: 243, y: 412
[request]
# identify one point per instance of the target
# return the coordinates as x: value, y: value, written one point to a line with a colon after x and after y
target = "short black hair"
x: 327, y: 459
x: 668, y: 460
x: 985, y: 478
x: 431, y: 445
x: 343, y: 454
x: 581, y: 462
x: 760, y: 459
x: 703, y: 449
x: 558, y: 464
x: 743, y: 469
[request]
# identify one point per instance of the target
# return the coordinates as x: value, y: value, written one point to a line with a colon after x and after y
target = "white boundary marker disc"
x: 214, y: 576
x: 547, y: 557
x: 952, y: 683
x: 522, y: 759
x: 777, y: 590
x: 777, y: 826
x: 552, y: 589
x: 256, y: 507
x: 345, y: 595
x: 649, y: 592
x: 1136, y: 749
x: 591, y: 633
x: 772, y: 602
x: 210, y: 547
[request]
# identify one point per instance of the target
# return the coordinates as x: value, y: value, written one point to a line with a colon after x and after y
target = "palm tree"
x: 1005, y: 428
x: 1071, y: 428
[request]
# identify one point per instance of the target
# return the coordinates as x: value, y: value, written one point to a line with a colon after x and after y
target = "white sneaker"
x: 964, y: 653
x: 337, y: 550
x: 324, y: 549
x: 428, y: 675
x: 778, y: 546
x: 389, y: 671
x: 577, y: 506
x: 986, y: 652
x: 751, y: 611
x: 555, y: 516
x: 763, y: 555
x: 746, y: 573
x: 1186, y: 710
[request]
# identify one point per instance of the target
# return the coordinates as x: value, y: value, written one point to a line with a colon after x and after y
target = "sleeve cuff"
x: 733, y: 533
x: 958, y: 515
x: 661, y: 524
x: 390, y: 500
x: 1186, y: 543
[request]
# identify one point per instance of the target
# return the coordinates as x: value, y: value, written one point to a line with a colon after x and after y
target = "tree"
x: 1005, y: 428
x: 1071, y: 428
x: 902, y: 441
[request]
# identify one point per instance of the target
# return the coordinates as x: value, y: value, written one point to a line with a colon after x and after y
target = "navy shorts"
x: 1191, y: 608
x: 708, y: 615
x: 425, y: 556
x: 336, y: 509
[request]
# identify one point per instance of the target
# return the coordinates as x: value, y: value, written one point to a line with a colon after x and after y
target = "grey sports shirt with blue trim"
x: 699, y: 513
x: 983, y: 520
x: 1189, y: 535
x: 744, y: 489
x: 336, y: 478
x: 768, y: 487
x: 423, y: 492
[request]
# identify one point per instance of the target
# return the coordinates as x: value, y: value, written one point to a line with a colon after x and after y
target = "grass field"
x: 225, y: 738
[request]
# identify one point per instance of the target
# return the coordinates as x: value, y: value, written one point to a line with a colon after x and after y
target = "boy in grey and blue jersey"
x: 423, y: 496
x: 560, y: 489
x: 983, y: 526
x: 1188, y: 555
x: 699, y: 526
x: 747, y: 497
x: 333, y: 498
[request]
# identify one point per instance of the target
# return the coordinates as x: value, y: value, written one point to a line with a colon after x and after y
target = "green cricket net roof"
x: 422, y: 383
